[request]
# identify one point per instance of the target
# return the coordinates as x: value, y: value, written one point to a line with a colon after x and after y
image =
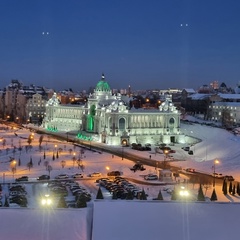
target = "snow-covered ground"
x: 216, y: 144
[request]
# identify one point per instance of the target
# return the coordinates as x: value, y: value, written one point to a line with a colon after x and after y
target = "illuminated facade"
x: 107, y: 118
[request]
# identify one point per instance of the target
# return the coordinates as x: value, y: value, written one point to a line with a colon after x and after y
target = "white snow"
x: 122, y: 219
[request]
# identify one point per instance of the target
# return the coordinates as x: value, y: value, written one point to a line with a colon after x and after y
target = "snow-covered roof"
x: 199, y: 96
x: 189, y: 90
x: 229, y: 96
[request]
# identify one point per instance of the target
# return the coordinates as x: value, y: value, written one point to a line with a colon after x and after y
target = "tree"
x: 129, y: 195
x: 225, y: 187
x: 99, y: 194
x: 159, y: 197
x: 62, y: 203
x: 19, y: 162
x: 53, y: 157
x: 63, y: 163
x: 6, y: 203
x: 31, y: 161
x: 46, y: 163
x: 49, y: 169
x: 143, y: 195
x: 40, y: 140
x: 57, y: 155
x: 200, y: 196
x: 44, y: 155
x: 114, y: 196
x: 214, y: 196
x: 234, y: 190
x: 230, y: 188
x: 174, y: 195
x: 81, y: 201
x: 238, y: 189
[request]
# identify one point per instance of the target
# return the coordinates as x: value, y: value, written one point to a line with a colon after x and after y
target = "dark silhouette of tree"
x: 99, y: 194
x: 40, y: 140
x: 114, y: 196
x: 234, y: 190
x: 143, y: 195
x: 174, y: 195
x: 19, y: 162
x: 53, y: 157
x: 223, y: 185
x: 81, y: 201
x: 230, y: 188
x: 200, y: 196
x: 62, y: 203
x: 31, y: 161
x: 214, y: 196
x: 225, y: 188
x: 6, y: 203
x: 159, y: 197
x: 129, y: 195
x: 238, y: 189
x: 57, y: 156
x: 44, y: 155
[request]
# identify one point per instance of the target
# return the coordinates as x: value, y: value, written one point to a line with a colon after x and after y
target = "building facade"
x: 107, y: 118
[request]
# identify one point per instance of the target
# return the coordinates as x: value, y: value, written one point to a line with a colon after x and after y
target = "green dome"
x: 103, y: 85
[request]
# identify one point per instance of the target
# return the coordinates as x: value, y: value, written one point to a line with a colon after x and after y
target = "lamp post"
x: 165, y: 157
x: 122, y: 152
x: 214, y: 173
x: 13, y: 166
x: 74, y: 159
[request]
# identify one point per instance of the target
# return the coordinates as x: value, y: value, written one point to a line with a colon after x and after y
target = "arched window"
x: 121, y: 124
x: 171, y: 121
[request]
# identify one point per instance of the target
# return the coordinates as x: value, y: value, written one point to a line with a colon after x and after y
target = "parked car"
x: 190, y: 170
x: 186, y: 148
x: 95, y: 174
x: 43, y: 177
x: 22, y: 179
x: 138, y: 166
x: 62, y: 176
x: 190, y: 152
x: 151, y: 177
x: 77, y: 175
x: 114, y: 173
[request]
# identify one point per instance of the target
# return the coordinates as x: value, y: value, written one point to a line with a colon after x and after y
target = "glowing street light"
x: 214, y: 173
x: 183, y: 192
x: 165, y: 157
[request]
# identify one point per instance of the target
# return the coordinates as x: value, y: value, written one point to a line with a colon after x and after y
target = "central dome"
x: 102, y: 85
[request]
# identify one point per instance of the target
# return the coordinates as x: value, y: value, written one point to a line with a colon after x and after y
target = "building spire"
x: 103, y: 77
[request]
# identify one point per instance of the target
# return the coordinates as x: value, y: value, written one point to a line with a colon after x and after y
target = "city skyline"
x: 174, y: 44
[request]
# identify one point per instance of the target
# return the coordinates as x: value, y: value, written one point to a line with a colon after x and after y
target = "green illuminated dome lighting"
x: 102, y: 85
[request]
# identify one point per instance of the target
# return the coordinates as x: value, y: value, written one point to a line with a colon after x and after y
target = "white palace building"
x: 107, y: 118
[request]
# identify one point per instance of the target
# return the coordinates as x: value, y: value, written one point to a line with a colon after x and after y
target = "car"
x: 172, y: 151
x: 151, y: 177
x: 114, y: 173
x: 186, y: 148
x: 22, y: 179
x: 62, y: 176
x: 229, y: 178
x: 43, y: 177
x: 77, y: 175
x: 192, y: 170
x: 190, y: 152
x: 95, y: 174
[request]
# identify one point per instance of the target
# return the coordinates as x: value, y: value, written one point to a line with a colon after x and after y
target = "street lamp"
x: 214, y: 173
x: 13, y: 167
x: 165, y: 157
x: 74, y: 159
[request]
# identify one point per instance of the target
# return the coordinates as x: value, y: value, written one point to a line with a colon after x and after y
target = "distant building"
x: 107, y: 118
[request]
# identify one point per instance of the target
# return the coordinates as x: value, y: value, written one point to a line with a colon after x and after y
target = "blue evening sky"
x: 133, y: 42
